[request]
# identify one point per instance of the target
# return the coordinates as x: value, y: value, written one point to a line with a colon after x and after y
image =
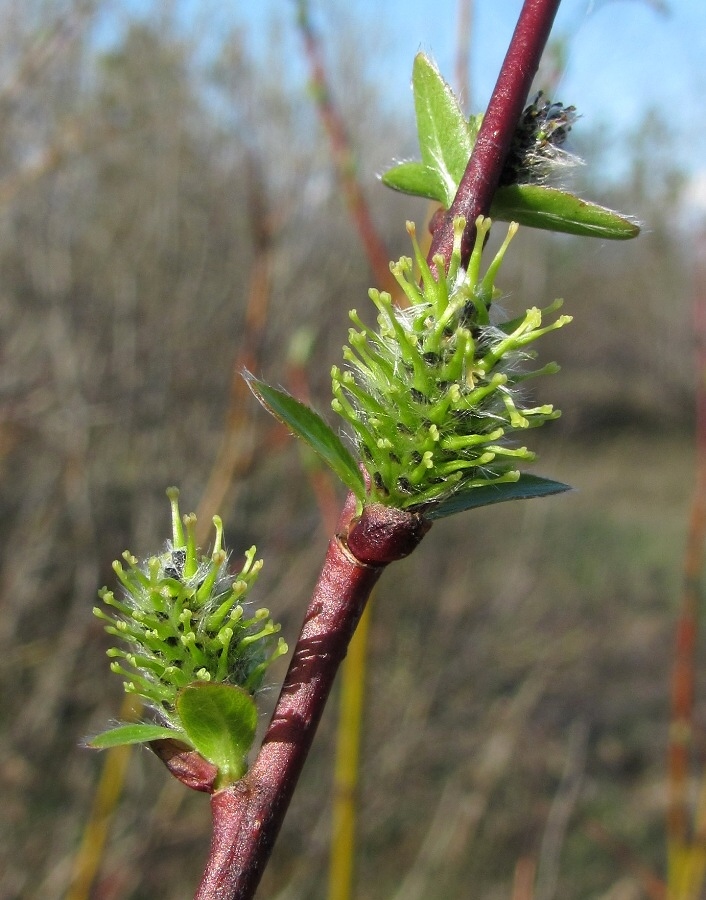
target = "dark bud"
x: 405, y: 485
x: 380, y: 484
x: 186, y: 765
x: 176, y: 569
x: 383, y: 534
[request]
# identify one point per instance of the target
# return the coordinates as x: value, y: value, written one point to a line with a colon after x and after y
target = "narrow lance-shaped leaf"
x: 309, y: 426
x: 527, y: 487
x: 544, y: 207
x: 416, y: 179
x: 135, y: 734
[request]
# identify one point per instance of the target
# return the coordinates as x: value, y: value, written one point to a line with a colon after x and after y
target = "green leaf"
x: 445, y: 139
x: 134, y: 734
x: 527, y: 487
x: 220, y: 721
x: 554, y: 210
x: 309, y: 426
x: 415, y: 178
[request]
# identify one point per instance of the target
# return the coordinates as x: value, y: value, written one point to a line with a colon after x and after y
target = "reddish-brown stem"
x: 247, y: 815
x: 480, y: 180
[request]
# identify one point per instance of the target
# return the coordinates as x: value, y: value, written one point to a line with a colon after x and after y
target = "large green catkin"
x: 432, y: 395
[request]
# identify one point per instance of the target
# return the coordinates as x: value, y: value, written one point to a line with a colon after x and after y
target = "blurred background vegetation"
x: 517, y: 706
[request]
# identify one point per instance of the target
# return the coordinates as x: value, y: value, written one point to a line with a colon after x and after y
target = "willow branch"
x: 247, y: 815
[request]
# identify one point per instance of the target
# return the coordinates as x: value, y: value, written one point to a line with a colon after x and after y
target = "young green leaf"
x: 220, y: 721
x: 417, y: 179
x: 525, y: 488
x: 549, y: 208
x: 135, y: 734
x: 309, y: 426
x: 445, y: 140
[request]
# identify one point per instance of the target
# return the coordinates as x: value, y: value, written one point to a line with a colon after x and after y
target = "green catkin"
x: 431, y: 392
x: 182, y: 620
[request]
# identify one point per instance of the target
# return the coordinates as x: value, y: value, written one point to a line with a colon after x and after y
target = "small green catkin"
x: 181, y: 618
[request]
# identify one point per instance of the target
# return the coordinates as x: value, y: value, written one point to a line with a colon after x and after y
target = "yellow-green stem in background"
x: 346, y: 772
x: 89, y: 856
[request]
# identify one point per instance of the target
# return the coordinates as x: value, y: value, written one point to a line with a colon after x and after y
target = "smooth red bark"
x: 247, y: 815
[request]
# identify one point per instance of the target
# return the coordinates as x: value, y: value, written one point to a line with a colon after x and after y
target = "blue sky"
x: 624, y: 56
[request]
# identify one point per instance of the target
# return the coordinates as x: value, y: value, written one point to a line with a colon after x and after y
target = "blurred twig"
x: 653, y: 887
x: 686, y: 856
x: 238, y: 443
x: 49, y: 43
x: 346, y: 773
x: 458, y: 814
x: 343, y: 156
x: 107, y: 795
x: 562, y: 806
x: 523, y: 881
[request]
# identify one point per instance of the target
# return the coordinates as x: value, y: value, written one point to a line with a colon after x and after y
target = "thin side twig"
x: 679, y: 834
x: 346, y: 769
x: 238, y: 444
x: 343, y: 156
